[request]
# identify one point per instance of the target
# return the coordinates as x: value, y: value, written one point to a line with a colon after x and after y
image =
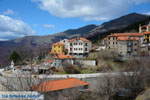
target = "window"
x: 135, y: 44
x: 120, y: 42
x: 70, y: 49
x: 81, y: 48
x: 113, y: 42
x: 120, y: 47
x: 70, y: 44
x: 85, y: 49
x: 135, y: 50
x: 74, y: 43
x: 85, y: 44
x: 109, y: 42
x: 116, y: 42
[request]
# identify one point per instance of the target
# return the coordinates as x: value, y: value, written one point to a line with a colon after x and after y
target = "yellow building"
x: 58, y: 47
x: 147, y: 37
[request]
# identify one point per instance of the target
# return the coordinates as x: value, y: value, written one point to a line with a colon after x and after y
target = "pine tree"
x: 15, y: 57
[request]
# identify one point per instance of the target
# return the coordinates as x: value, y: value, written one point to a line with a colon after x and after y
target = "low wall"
x: 87, y: 62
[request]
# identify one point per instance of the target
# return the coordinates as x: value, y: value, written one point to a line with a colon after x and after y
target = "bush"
x: 71, y: 69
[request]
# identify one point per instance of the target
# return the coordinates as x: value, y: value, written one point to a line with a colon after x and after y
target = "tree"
x: 15, y: 57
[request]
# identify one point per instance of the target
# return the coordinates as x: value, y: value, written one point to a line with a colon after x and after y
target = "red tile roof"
x: 126, y: 34
x: 145, y: 26
x: 105, y: 38
x: 49, y: 61
x: 128, y: 38
x: 81, y: 38
x: 59, y: 85
x: 146, y: 32
x: 62, y: 56
x: 58, y: 43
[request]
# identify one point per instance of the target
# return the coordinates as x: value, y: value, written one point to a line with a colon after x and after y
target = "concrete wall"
x: 87, y: 62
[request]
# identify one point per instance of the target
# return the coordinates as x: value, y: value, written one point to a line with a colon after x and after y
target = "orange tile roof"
x: 128, y: 38
x: 145, y: 26
x: 146, y: 32
x: 126, y: 34
x: 58, y: 43
x: 81, y: 38
x: 59, y: 85
x: 105, y: 38
x: 48, y: 61
x: 62, y: 56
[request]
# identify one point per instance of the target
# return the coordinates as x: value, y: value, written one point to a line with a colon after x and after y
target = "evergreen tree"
x: 15, y: 57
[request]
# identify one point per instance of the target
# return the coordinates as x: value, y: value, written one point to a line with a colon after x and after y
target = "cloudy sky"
x: 41, y: 17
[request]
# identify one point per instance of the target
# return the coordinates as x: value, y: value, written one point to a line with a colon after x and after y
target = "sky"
x: 20, y: 18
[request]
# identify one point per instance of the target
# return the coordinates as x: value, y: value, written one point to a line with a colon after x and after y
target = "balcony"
x: 129, y: 43
x: 129, y: 49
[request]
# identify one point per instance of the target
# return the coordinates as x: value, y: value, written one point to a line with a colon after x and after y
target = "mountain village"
x: 76, y: 51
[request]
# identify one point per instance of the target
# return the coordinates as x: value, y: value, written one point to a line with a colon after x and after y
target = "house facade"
x: 144, y: 28
x: 79, y: 47
x: 59, y: 60
x: 58, y: 47
x: 128, y: 46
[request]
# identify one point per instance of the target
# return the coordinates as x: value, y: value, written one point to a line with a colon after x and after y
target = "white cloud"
x: 13, y: 28
x: 147, y: 13
x: 87, y: 9
x: 8, y: 12
x: 48, y: 26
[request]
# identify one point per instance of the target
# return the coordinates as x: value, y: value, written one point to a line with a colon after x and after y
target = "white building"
x: 65, y: 41
x: 79, y: 47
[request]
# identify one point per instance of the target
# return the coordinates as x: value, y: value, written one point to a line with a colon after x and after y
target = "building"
x: 58, y: 48
x: 55, y: 88
x: 66, y: 42
x: 144, y: 28
x: 79, y: 47
x: 59, y: 60
x: 111, y: 40
x: 128, y: 46
x: 147, y: 37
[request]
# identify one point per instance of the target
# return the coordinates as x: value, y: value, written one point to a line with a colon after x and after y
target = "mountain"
x: 121, y: 24
x: 125, y: 23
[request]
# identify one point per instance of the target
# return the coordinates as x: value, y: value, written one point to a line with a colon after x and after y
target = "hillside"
x: 92, y: 32
x: 125, y: 23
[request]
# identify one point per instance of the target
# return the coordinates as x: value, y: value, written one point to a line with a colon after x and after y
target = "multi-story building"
x: 111, y: 42
x: 79, y: 47
x: 128, y: 46
x: 58, y: 48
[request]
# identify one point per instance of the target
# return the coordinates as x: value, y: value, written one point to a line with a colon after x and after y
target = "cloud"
x: 35, y: 25
x: 48, y: 26
x: 8, y: 12
x: 87, y: 9
x: 13, y: 28
x: 147, y: 13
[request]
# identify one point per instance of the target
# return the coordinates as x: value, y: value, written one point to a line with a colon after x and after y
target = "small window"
x: 120, y: 42
x: 70, y: 44
x: 85, y: 49
x: 135, y: 50
x: 120, y: 47
x: 135, y: 44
